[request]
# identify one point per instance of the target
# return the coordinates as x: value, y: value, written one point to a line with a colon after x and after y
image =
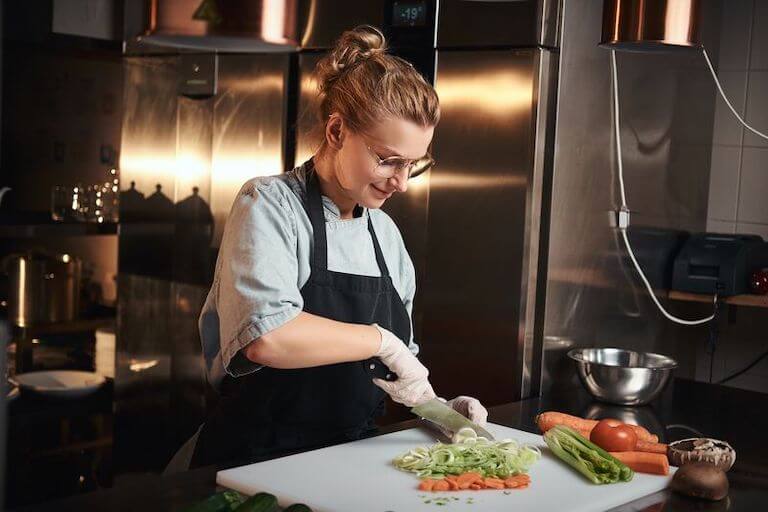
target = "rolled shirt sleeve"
x: 255, y: 287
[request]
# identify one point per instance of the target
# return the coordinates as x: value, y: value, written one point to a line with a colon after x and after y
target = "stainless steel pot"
x: 43, y: 288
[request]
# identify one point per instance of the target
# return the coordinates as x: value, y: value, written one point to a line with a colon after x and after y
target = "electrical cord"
x: 725, y: 98
x: 624, y: 217
x: 745, y: 369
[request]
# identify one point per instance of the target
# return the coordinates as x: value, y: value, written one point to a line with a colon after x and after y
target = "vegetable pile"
x: 495, y: 459
x: 599, y: 466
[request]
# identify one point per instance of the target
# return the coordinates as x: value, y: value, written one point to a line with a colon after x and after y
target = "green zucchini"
x: 220, y: 502
x: 298, y: 507
x: 261, y: 502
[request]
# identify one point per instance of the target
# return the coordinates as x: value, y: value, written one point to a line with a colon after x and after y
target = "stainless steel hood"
x: 239, y: 26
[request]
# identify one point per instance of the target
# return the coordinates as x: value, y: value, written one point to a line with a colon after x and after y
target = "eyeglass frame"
x: 379, y: 161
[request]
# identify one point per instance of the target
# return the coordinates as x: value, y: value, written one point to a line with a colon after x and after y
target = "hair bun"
x: 353, y: 47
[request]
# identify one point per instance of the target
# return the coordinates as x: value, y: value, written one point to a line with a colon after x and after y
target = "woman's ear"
x: 334, y: 131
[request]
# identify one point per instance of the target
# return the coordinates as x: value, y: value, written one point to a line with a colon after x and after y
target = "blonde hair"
x: 362, y: 82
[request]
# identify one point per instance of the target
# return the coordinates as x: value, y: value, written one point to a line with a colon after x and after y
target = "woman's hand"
x: 412, y: 386
x: 470, y: 408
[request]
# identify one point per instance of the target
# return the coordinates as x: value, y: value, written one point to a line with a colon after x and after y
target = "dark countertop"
x: 685, y: 409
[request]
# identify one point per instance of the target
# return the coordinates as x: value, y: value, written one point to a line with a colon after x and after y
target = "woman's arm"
x: 310, y: 340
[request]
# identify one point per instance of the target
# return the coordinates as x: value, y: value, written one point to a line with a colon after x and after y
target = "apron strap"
x: 377, y: 248
x: 317, y: 218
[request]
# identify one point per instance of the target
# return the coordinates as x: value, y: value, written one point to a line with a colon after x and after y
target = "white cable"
x: 725, y: 98
x: 624, y: 212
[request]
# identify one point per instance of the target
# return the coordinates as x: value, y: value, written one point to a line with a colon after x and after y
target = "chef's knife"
x: 441, y: 414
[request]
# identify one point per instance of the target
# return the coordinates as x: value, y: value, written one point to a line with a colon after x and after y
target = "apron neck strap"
x: 317, y: 219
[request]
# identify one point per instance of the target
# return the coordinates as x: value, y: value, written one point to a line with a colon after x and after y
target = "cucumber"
x: 261, y: 502
x: 298, y: 507
x: 219, y: 502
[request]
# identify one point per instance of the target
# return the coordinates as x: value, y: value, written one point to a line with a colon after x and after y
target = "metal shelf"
x: 757, y: 301
x: 54, y: 229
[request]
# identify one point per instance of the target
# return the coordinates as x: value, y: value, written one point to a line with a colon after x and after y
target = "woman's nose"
x: 400, y: 181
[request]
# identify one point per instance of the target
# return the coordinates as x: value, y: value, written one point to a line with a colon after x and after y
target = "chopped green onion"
x: 499, y: 459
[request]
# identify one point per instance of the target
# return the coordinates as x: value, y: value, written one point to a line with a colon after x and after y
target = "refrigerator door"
x: 485, y: 199
x: 518, y: 23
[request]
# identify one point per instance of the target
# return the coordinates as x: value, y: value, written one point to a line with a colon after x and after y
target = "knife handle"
x: 379, y: 370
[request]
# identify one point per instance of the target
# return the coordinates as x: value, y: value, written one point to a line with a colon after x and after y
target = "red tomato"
x: 614, y: 436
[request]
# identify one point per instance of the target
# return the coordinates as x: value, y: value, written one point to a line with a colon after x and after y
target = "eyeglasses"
x: 394, y: 165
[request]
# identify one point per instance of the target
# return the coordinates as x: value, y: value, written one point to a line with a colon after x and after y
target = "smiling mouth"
x: 383, y: 192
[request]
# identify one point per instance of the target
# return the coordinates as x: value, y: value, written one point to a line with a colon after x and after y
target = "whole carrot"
x: 643, y: 446
x: 549, y: 419
x: 644, y: 462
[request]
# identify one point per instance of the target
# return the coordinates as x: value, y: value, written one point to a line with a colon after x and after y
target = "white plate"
x: 60, y: 383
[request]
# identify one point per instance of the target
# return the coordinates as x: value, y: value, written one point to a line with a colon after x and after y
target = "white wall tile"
x: 727, y: 129
x: 759, y: 50
x: 757, y: 108
x: 753, y: 191
x: 724, y: 183
x: 746, y: 228
x: 734, y: 38
x: 719, y: 226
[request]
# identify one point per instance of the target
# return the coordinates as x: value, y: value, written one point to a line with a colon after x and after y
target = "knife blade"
x: 441, y: 414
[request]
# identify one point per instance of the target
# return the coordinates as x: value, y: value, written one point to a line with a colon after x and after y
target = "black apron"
x: 273, y: 412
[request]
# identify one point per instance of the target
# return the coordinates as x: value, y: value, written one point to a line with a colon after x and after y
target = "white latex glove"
x: 470, y: 408
x: 412, y: 386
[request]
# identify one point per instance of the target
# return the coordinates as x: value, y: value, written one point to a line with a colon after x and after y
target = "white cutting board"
x: 359, y: 477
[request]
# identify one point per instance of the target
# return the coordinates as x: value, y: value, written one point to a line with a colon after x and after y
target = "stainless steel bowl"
x: 622, y: 376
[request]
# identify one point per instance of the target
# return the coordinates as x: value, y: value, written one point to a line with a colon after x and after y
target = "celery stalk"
x: 599, y: 466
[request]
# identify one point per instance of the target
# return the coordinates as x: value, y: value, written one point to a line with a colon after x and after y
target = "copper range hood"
x: 651, y: 25
x: 223, y: 25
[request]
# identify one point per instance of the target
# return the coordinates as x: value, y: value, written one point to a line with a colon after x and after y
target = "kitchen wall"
x: 594, y: 297
x: 738, y: 188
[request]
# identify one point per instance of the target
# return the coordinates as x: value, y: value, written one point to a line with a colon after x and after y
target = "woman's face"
x: 358, y: 157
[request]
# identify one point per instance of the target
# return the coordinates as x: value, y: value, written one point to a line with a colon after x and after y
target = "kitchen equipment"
x: 43, y: 288
x: 59, y: 383
x: 661, y: 25
x: 620, y: 376
x: 444, y: 416
x: 359, y: 476
x: 718, y: 263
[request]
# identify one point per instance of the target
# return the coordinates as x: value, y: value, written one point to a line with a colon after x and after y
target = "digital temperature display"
x: 409, y: 14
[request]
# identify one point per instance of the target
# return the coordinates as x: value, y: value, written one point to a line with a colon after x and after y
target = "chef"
x: 307, y: 326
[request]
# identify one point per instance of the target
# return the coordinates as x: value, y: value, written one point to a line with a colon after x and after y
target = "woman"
x: 313, y: 290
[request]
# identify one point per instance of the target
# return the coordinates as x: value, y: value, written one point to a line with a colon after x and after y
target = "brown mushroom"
x: 702, y: 449
x: 700, y: 480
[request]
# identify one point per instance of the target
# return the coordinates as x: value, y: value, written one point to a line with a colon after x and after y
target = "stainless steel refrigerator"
x: 475, y: 225
x: 481, y: 305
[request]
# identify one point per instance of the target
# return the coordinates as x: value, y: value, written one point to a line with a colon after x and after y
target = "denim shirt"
x: 264, y: 261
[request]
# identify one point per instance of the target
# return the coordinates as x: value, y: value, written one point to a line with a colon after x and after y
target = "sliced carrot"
x: 452, y: 484
x: 465, y: 480
x: 493, y: 483
x: 475, y: 487
x: 441, y: 485
x: 427, y: 484
x: 644, y: 462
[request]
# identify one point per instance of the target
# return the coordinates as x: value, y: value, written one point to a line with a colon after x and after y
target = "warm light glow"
x: 469, y: 180
x: 138, y: 365
x: 233, y: 171
x: 273, y: 21
x: 677, y: 23
x: 497, y: 92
